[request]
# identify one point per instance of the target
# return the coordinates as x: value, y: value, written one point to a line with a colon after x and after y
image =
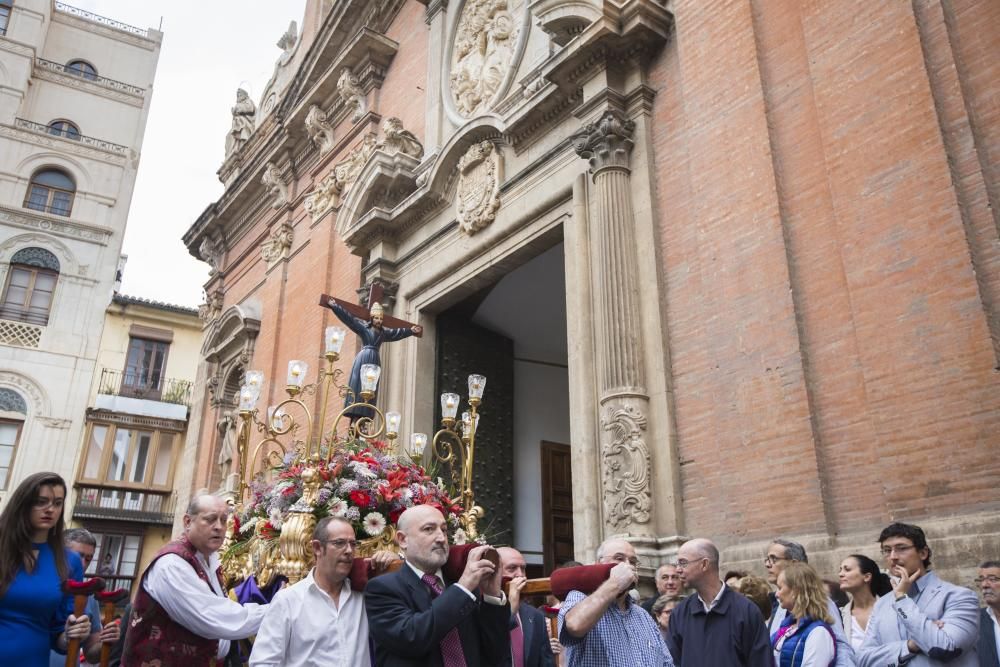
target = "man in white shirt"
x: 181, y: 615
x: 319, y: 620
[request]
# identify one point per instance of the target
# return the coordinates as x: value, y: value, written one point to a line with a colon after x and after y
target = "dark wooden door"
x: 557, y: 505
x: 464, y: 348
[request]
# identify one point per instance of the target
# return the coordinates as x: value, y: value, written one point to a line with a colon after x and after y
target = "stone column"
x: 622, y: 395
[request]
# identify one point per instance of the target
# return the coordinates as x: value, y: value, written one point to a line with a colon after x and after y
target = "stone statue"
x: 244, y: 114
x: 275, y: 185
x: 397, y: 140
x: 287, y: 43
x: 227, y: 428
x: 211, y: 253
x: 350, y: 91
x: 319, y: 129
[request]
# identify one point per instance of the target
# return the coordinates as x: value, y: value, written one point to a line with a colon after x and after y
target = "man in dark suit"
x: 989, y: 619
x: 529, y: 640
x: 415, y: 618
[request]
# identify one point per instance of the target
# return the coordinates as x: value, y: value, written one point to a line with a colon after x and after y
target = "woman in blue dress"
x: 35, y: 615
x: 372, y: 335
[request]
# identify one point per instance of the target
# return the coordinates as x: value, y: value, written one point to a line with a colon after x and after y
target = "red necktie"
x: 517, y: 642
x: 451, y: 645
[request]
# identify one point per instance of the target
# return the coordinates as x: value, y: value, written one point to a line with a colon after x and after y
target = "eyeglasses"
x: 681, y: 564
x: 992, y: 579
x: 45, y: 503
x: 897, y: 548
x: 341, y: 544
x: 622, y: 558
x: 771, y: 560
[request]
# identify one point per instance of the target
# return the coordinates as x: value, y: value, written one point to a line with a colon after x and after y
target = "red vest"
x: 153, y: 638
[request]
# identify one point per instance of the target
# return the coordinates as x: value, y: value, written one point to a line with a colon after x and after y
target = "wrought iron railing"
x: 150, y: 386
x: 116, y: 503
x: 103, y: 20
x: 100, y: 144
x: 93, y: 78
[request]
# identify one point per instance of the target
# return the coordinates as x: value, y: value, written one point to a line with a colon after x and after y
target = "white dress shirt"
x: 174, y: 584
x: 304, y: 628
x: 489, y: 599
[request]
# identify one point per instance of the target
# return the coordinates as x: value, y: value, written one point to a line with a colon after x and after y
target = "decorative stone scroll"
x: 319, y: 129
x: 350, y: 91
x: 625, y: 462
x: 276, y: 247
x: 485, y: 44
x: 275, y: 185
x: 478, y: 187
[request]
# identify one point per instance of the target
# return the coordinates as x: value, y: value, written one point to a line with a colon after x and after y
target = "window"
x: 5, y: 6
x: 81, y: 68
x: 144, y: 367
x: 30, y: 284
x: 12, y: 405
x: 126, y: 457
x: 51, y: 191
x: 116, y: 558
x: 64, y: 128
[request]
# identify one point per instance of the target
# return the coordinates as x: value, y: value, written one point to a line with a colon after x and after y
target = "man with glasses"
x: 319, y: 620
x: 989, y: 619
x: 924, y: 621
x: 606, y: 628
x: 715, y: 625
x: 668, y: 582
x: 780, y: 553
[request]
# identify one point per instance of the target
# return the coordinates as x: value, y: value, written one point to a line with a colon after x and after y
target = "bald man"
x: 417, y: 618
x: 181, y: 615
x: 529, y: 640
x: 607, y: 629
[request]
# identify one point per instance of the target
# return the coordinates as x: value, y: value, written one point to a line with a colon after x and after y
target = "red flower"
x: 362, y: 498
x: 236, y: 524
x: 395, y: 514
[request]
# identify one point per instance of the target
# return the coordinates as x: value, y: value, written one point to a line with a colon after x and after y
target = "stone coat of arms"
x: 478, y: 187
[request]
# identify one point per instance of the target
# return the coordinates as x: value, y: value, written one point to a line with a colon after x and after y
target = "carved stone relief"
x: 212, y: 308
x: 478, y: 197
x: 319, y: 129
x: 277, y: 245
x: 336, y: 182
x: 625, y: 462
x: 275, y: 185
x: 485, y: 44
x: 350, y: 91
x: 211, y: 252
x: 395, y: 139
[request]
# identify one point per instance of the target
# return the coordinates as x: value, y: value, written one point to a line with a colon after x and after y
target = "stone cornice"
x: 44, y: 73
x: 148, y: 43
x: 65, y: 145
x: 37, y: 221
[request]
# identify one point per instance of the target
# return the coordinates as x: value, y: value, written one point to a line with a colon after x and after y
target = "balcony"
x: 116, y: 503
x: 99, y: 144
x: 103, y: 81
x: 150, y: 387
x: 103, y: 20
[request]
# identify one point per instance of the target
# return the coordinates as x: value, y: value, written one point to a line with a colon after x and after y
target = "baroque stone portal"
x: 485, y: 44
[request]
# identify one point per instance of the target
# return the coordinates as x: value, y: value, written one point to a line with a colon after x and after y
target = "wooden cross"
x: 375, y: 293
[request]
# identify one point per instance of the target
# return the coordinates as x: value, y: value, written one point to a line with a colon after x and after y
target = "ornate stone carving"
x: 211, y: 252
x: 478, y: 187
x: 395, y: 139
x: 27, y: 388
x: 337, y: 181
x: 55, y: 422
x: 606, y: 143
x: 277, y: 245
x: 325, y: 196
x: 350, y: 91
x: 319, y: 129
x: 28, y: 220
x: 212, y: 308
x: 287, y: 43
x: 244, y: 115
x: 625, y: 462
x: 485, y: 42
x: 275, y: 185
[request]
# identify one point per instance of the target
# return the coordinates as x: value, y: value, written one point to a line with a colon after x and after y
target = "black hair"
x: 879, y: 584
x: 910, y: 532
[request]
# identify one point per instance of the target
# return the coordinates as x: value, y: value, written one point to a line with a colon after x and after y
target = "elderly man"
x: 989, y: 619
x: 715, y: 626
x: 319, y: 620
x: 529, y: 641
x: 668, y: 582
x: 416, y: 618
x: 779, y: 554
x: 924, y: 621
x: 607, y: 629
x: 181, y: 615
x: 81, y: 542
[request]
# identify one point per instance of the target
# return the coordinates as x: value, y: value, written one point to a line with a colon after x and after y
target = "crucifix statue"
x: 373, y: 327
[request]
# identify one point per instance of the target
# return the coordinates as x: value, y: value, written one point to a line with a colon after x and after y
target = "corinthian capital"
x: 606, y: 143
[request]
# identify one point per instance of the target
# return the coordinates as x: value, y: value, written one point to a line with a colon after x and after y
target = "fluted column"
x: 624, y: 402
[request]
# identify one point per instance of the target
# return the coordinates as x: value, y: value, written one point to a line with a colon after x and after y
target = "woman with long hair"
x: 35, y: 615
x: 805, y: 638
x: 860, y: 578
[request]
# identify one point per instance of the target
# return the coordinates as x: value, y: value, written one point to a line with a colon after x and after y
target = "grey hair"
x: 79, y: 536
x: 793, y: 550
x: 320, y: 533
x: 194, y: 507
x: 600, y: 549
x: 663, y: 565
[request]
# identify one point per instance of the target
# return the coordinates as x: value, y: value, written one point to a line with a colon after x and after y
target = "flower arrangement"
x: 361, y: 482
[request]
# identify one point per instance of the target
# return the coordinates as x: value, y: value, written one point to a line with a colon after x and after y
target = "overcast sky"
x: 210, y: 48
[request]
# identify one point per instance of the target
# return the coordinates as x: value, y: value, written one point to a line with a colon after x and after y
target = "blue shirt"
x: 33, y: 611
x: 628, y: 638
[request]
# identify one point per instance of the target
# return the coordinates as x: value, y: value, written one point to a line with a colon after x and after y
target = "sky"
x: 210, y: 48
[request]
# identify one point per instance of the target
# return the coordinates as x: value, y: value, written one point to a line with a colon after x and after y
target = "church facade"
x: 731, y: 269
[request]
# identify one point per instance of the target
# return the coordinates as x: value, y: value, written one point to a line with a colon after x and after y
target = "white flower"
x: 275, y: 518
x: 460, y: 537
x: 248, y: 526
x: 374, y: 524
x: 361, y: 469
x: 338, y: 506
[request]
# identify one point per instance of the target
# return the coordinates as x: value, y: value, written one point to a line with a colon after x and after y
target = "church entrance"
x: 514, y: 333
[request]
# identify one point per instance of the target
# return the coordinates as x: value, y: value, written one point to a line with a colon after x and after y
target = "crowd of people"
x: 412, y: 614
